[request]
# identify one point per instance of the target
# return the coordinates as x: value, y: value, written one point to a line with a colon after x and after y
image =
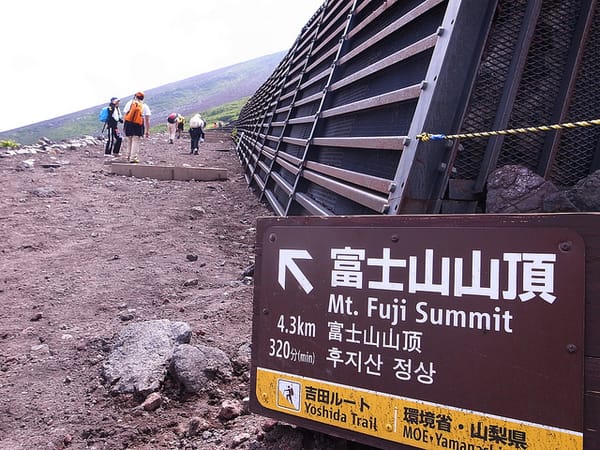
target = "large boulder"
x: 141, y: 354
x: 585, y: 195
x: 198, y: 367
x: 516, y: 189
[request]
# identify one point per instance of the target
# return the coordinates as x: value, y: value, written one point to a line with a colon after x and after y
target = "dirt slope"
x: 83, y: 253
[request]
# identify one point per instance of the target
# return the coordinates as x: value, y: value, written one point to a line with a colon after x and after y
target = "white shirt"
x: 145, y: 108
x: 116, y: 115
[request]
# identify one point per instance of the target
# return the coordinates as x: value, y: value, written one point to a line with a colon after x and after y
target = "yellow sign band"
x: 403, y: 420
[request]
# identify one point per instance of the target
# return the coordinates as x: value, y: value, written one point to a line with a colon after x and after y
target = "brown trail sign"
x: 427, y: 332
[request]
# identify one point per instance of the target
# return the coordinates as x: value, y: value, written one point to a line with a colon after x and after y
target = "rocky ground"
x: 85, y: 253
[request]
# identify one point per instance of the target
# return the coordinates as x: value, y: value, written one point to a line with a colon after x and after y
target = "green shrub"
x: 162, y: 128
x: 9, y: 144
x: 225, y: 113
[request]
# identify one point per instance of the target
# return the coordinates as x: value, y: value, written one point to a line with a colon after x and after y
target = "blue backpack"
x: 104, y: 113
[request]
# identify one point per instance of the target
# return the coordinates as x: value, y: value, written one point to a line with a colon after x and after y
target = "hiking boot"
x: 170, y: 141
x: 196, y: 152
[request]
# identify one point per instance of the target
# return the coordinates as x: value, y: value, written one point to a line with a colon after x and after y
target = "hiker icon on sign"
x: 288, y: 394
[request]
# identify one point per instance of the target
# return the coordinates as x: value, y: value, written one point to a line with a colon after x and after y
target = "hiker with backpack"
x: 112, y: 117
x: 180, y: 124
x: 196, y: 132
x: 137, y: 124
x: 172, y: 126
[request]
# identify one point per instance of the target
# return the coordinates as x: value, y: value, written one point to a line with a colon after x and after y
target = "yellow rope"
x: 559, y: 126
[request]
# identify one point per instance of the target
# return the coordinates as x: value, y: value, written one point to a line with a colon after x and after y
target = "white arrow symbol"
x: 286, y: 261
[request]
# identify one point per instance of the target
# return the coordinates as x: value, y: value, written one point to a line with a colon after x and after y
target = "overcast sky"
x: 62, y: 56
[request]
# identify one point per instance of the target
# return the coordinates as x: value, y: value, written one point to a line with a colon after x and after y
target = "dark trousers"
x: 113, y: 144
x: 195, y: 134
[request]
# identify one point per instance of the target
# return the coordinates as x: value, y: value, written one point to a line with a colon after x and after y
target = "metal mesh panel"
x: 380, y: 163
x: 492, y: 65
x: 575, y: 159
x: 335, y: 203
x: 260, y: 173
x: 412, y: 32
x: 305, y: 110
x: 319, y: 68
x: 280, y: 194
x: 384, y: 121
x: 398, y: 9
x: 288, y: 89
x: 491, y: 79
x: 541, y: 81
x: 269, y: 145
x: 291, y: 149
x: 301, y: 131
x: 285, y: 102
x: 280, y: 116
x: 287, y: 176
x: 412, y: 72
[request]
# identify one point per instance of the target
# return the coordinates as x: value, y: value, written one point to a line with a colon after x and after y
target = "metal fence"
x: 332, y: 131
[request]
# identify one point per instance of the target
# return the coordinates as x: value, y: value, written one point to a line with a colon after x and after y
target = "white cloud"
x: 62, y: 56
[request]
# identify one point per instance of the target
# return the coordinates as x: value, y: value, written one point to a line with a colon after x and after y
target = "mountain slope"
x: 195, y: 94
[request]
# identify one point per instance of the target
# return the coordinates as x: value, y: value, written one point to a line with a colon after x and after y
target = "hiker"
x: 180, y: 124
x: 137, y: 124
x: 113, y: 144
x: 172, y: 126
x: 196, y: 132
